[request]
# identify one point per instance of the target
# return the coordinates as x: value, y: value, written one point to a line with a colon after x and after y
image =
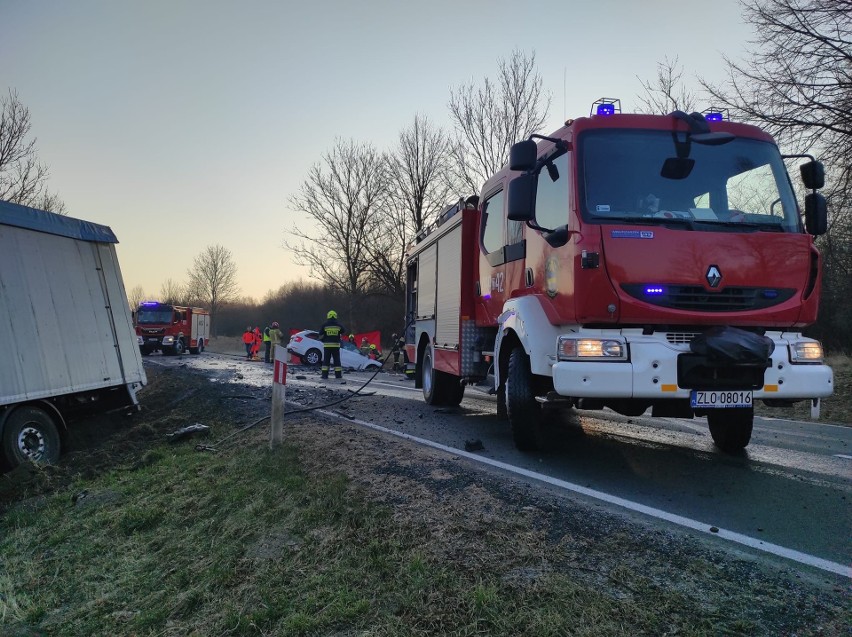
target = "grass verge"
x: 247, y: 543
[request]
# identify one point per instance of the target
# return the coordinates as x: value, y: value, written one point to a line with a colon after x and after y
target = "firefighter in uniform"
x: 330, y: 334
x: 276, y: 336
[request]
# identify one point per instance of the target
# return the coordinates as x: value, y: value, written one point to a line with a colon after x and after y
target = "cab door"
x: 502, y: 257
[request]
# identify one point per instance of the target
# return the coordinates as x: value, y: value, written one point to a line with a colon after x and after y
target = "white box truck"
x: 67, y: 342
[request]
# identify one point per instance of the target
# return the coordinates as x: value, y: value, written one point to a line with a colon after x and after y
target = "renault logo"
x: 714, y: 276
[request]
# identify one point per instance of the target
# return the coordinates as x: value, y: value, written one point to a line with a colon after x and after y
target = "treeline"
x: 304, y: 305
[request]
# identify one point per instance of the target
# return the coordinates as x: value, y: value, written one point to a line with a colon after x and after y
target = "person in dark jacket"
x: 330, y: 334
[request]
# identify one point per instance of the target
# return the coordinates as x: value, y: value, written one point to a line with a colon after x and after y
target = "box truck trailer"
x: 66, y: 334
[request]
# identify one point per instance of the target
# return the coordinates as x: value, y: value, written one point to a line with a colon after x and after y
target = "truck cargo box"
x: 65, y: 325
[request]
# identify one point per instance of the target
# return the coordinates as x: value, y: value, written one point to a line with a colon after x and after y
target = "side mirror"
x: 522, y: 155
x: 521, y: 198
x: 558, y: 237
x: 816, y: 214
x: 813, y: 174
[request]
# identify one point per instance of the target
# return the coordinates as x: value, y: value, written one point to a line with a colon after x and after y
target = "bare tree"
x: 418, y: 189
x: 213, y: 279
x: 668, y: 93
x: 489, y: 118
x: 135, y: 297
x: 172, y: 292
x: 419, y: 171
x: 796, y: 81
x: 341, y: 195
x: 23, y: 179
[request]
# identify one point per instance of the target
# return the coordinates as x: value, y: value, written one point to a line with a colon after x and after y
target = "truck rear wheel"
x: 523, y: 409
x: 440, y: 388
x: 30, y: 435
x: 179, y: 347
x: 731, y: 428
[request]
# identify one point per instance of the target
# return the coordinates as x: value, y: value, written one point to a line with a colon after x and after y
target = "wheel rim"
x: 31, y: 443
x: 312, y: 358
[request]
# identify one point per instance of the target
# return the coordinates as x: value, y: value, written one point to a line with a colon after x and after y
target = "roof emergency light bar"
x: 606, y: 106
x: 716, y: 114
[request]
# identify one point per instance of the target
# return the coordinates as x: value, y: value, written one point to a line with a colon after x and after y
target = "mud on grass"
x: 347, y: 532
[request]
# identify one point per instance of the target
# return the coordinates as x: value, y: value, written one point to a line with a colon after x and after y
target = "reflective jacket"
x: 330, y: 333
x: 275, y: 336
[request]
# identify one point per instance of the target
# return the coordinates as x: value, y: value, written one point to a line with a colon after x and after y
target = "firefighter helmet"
x: 331, y: 314
x: 372, y: 346
x: 275, y: 324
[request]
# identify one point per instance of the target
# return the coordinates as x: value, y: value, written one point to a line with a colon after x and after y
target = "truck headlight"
x: 806, y: 352
x: 573, y: 348
x: 168, y: 340
x: 140, y: 340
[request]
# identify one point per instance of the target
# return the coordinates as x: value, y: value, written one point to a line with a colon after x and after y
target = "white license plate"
x: 720, y: 399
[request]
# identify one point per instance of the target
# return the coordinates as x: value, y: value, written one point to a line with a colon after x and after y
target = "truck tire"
x: 440, y: 388
x: 523, y: 409
x: 198, y: 348
x: 30, y: 435
x: 179, y: 347
x: 431, y: 393
x: 731, y: 428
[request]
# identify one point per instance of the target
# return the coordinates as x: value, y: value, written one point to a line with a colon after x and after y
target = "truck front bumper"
x: 652, y: 373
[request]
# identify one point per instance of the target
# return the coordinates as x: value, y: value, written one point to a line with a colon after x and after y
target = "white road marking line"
x: 840, y: 455
x: 696, y: 525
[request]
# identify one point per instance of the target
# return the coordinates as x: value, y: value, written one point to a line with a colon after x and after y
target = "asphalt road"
x: 791, y: 487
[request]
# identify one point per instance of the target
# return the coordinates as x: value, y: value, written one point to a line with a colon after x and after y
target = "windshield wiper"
x: 650, y: 221
x: 768, y: 227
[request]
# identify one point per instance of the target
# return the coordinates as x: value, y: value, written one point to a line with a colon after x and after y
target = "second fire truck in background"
x: 171, y: 328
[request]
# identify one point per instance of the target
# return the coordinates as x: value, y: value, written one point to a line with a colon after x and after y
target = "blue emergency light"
x: 654, y: 290
x: 606, y: 106
x: 715, y: 114
x: 149, y: 303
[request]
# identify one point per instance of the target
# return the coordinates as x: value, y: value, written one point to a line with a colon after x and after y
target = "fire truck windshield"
x: 742, y: 184
x: 156, y: 316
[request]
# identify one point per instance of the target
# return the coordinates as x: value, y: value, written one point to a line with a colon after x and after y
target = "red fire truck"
x: 626, y: 261
x: 171, y: 328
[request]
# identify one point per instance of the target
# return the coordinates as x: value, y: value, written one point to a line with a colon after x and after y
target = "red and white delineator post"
x: 279, y: 386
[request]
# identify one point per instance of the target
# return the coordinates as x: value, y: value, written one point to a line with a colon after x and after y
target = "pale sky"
x: 182, y: 124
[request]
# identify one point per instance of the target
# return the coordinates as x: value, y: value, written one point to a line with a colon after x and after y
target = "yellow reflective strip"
x: 668, y: 387
x: 770, y: 388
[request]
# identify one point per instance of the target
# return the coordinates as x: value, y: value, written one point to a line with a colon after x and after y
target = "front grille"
x: 680, y: 338
x: 696, y: 298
